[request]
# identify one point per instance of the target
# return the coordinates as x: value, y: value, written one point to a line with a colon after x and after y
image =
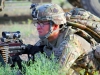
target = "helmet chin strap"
x: 50, y: 31
x: 48, y: 34
x: 45, y: 38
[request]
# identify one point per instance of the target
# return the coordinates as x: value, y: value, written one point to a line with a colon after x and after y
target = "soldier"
x: 73, y: 51
x: 57, y: 37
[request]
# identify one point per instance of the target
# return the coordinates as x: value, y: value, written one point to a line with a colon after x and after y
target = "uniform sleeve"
x: 74, y: 56
x: 72, y: 50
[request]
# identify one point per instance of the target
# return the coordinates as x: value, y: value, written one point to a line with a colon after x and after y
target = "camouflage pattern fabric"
x: 81, y: 16
x: 84, y: 17
x: 79, y: 13
x: 70, y: 50
x: 51, y: 12
x: 73, y: 51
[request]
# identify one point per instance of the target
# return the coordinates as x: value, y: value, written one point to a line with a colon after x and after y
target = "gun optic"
x: 11, y: 35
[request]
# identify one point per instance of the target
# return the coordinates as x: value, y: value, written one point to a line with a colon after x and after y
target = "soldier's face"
x: 43, y: 28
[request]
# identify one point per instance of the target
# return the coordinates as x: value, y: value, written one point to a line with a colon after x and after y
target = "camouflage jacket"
x: 74, y: 53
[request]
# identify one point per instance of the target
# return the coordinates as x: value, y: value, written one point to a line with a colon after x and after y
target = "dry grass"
x: 28, y: 32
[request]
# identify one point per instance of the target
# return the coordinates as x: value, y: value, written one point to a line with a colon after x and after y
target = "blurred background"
x: 20, y: 9
x: 16, y: 15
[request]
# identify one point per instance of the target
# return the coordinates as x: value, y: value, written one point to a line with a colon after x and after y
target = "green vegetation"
x: 26, y: 29
x: 82, y: 72
x: 7, y: 70
x: 41, y: 66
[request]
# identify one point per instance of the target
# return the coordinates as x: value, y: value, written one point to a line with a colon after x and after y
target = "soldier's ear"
x: 55, y: 27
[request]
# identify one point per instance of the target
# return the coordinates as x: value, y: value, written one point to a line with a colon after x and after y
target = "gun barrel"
x: 15, y: 48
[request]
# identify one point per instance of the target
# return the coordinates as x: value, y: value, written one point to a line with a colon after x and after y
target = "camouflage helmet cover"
x: 51, y: 12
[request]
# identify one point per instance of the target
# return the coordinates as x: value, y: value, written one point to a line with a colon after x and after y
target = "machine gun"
x: 10, y: 45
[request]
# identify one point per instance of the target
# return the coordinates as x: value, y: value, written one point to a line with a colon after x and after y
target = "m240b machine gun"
x: 10, y: 45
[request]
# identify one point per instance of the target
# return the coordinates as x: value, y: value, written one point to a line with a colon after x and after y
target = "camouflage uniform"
x: 74, y: 52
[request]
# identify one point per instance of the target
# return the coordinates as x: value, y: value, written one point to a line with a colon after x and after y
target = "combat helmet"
x: 48, y: 12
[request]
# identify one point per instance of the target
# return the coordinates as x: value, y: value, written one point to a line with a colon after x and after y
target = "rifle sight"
x: 11, y: 35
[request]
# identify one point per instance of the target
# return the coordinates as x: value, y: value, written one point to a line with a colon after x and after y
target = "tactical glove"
x: 30, y: 49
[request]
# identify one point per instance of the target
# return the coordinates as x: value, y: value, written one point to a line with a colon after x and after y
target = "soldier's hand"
x: 32, y: 49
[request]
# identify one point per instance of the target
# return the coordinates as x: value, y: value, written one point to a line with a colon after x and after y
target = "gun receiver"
x: 11, y: 45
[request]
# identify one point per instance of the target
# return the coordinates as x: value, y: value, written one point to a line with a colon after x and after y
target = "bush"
x: 41, y: 66
x: 6, y: 70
